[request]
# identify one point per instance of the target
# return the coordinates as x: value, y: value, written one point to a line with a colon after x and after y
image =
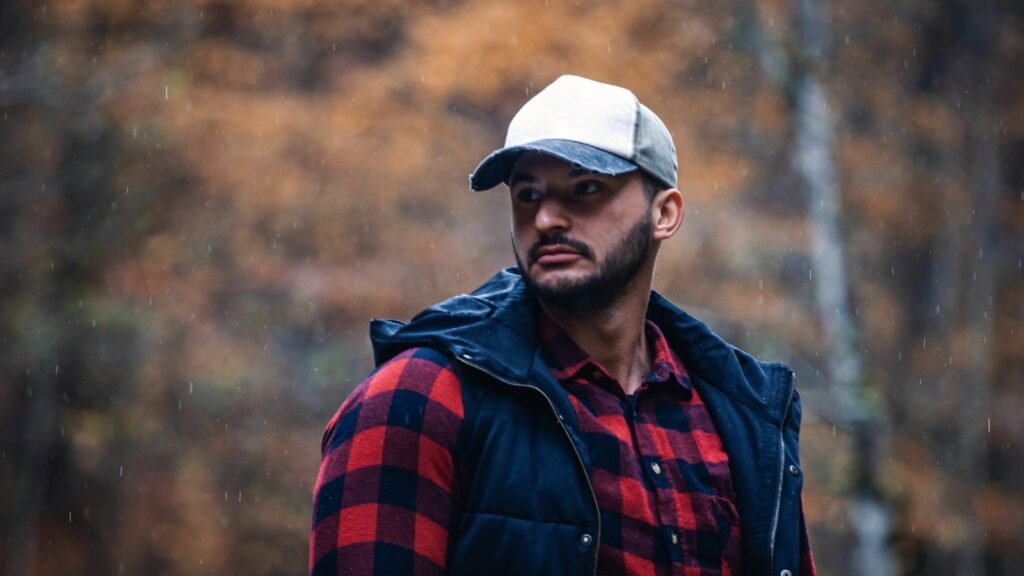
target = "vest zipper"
x: 593, y: 495
x: 782, y: 472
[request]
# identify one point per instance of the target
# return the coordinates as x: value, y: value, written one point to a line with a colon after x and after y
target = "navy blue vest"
x: 526, y: 504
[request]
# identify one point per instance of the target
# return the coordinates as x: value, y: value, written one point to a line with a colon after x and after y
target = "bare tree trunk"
x: 38, y: 369
x: 813, y: 161
x: 975, y: 383
x: 814, y: 164
x: 976, y: 377
x: 30, y: 484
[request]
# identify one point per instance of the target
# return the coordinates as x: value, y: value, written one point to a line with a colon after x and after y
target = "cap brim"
x: 495, y: 168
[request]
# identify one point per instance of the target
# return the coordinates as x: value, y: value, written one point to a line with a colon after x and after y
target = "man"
x: 563, y: 418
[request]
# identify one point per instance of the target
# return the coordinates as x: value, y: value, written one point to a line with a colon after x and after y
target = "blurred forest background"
x: 203, y: 202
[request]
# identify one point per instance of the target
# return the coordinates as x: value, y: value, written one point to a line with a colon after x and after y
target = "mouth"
x: 557, y: 254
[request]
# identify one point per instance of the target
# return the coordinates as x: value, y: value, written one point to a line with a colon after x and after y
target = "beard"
x: 601, y: 289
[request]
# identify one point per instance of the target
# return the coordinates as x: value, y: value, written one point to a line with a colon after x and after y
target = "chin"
x: 556, y: 279
x: 560, y: 281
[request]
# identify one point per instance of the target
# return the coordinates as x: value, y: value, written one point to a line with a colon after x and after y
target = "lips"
x: 556, y: 254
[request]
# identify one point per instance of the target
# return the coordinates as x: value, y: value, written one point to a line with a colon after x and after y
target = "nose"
x: 551, y: 216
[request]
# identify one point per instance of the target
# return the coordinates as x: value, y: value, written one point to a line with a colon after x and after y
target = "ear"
x: 667, y: 213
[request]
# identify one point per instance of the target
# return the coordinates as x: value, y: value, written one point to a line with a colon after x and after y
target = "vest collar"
x: 494, y: 329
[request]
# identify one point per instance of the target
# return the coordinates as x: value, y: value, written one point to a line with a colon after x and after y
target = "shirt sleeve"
x: 384, y: 495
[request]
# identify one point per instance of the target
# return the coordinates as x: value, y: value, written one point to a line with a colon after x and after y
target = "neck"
x: 615, y: 336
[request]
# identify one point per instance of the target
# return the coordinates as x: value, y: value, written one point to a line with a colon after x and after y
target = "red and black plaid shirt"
x: 659, y: 470
x: 384, y: 495
x: 387, y: 484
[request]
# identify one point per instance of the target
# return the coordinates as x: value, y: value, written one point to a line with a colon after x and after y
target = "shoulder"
x: 419, y: 388
x: 423, y: 372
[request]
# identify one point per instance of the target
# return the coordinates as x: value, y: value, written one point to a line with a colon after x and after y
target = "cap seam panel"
x: 634, y: 153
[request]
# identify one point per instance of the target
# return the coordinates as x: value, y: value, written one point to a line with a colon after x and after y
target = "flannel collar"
x: 568, y: 362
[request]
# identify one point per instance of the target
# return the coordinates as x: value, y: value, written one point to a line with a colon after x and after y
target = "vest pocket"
x: 496, y: 545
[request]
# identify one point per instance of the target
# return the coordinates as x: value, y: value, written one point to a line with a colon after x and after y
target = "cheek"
x: 521, y: 237
x: 521, y: 215
x: 522, y: 224
x: 602, y: 238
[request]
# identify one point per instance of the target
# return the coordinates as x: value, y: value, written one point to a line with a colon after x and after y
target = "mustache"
x: 559, y: 240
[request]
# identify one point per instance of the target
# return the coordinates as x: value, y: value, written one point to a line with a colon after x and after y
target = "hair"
x: 651, y: 185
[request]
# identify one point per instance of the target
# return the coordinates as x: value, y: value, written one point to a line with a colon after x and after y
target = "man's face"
x: 579, y: 238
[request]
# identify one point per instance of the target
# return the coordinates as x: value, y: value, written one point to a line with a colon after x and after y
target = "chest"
x: 662, y: 480
x: 617, y: 482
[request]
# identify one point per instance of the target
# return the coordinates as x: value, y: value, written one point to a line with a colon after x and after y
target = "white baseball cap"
x: 592, y: 125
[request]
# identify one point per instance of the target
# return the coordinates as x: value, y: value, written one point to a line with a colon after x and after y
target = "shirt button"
x: 655, y: 468
x: 794, y: 469
x: 675, y: 538
x: 586, y: 539
x: 785, y: 573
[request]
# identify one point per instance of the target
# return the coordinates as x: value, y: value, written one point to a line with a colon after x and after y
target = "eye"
x: 588, y: 188
x: 528, y: 195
